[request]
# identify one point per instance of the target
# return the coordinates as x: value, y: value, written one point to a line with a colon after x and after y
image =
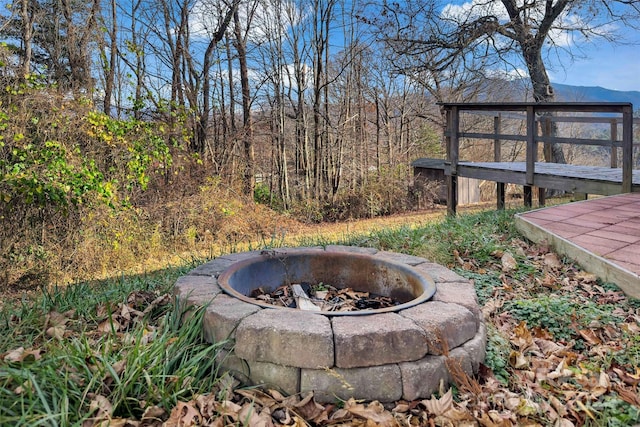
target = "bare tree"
x: 508, y: 31
x: 298, y: 94
x: 109, y: 61
x: 27, y: 14
x: 241, y: 33
x: 56, y: 37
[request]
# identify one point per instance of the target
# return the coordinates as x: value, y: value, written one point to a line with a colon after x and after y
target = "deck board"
x: 566, y: 177
x: 597, y: 173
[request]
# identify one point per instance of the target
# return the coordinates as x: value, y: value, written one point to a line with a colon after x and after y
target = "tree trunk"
x: 202, y: 127
x: 110, y: 67
x: 27, y: 16
x: 247, y: 126
x: 542, y: 92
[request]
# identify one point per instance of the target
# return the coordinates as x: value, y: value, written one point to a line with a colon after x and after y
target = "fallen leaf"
x: 109, y: 325
x: 276, y: 395
x: 102, y: 407
x: 509, y: 263
x: 309, y: 409
x: 14, y: 355
x: 590, y: 336
x: 55, y: 319
x: 522, y: 337
x: 153, y: 416
x: 56, y: 331
x: 401, y: 407
x: 526, y: 408
x: 560, y: 408
x: 229, y: 409
x: 159, y: 301
x: 551, y: 260
x: 456, y: 256
x: 627, y: 378
x: 631, y: 327
x: 373, y: 412
x: 183, y: 415
x: 518, y: 360
x: 586, y: 277
x: 250, y: 417
x: 493, y: 419
x: 561, y: 371
x: 55, y: 324
x: 439, y: 406
x: 549, y: 281
x: 258, y: 396
x: 629, y: 396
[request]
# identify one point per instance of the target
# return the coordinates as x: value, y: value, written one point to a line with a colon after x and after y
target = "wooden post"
x: 542, y: 196
x: 528, y: 196
x: 500, y: 195
x: 627, y: 149
x: 497, y: 148
x: 547, y: 132
x: 452, y: 194
x: 453, y: 123
x: 497, y: 157
x: 614, y: 138
x: 531, y: 155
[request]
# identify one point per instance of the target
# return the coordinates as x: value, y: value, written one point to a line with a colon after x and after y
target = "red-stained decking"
x: 602, y: 235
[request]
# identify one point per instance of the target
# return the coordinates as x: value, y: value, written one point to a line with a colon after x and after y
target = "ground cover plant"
x: 563, y: 348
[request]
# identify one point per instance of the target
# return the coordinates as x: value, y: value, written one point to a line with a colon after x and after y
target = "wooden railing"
x: 540, y: 116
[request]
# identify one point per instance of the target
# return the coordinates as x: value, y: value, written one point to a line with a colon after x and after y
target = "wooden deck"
x: 539, y: 119
x: 603, y: 234
x: 575, y: 178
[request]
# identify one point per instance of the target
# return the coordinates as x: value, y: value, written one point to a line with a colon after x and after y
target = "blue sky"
x: 595, y: 62
x: 610, y: 66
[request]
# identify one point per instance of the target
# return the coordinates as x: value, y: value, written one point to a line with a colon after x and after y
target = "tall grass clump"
x: 104, y: 352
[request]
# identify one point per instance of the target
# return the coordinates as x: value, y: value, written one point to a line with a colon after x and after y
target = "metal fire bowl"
x: 362, y: 272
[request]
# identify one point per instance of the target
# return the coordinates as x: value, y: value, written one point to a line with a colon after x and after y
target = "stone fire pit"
x: 401, y: 352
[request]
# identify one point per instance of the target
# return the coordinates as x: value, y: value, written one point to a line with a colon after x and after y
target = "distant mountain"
x: 569, y: 93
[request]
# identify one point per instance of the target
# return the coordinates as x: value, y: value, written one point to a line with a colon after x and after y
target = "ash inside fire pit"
x: 359, y: 283
x: 322, y: 297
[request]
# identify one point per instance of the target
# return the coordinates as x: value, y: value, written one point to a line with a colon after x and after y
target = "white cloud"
x: 567, y: 30
x: 262, y: 17
x: 514, y: 74
x: 473, y: 10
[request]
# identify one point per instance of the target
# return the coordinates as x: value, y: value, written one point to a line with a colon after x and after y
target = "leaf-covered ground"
x: 563, y: 350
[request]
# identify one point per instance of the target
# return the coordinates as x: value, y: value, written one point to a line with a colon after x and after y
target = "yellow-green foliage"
x: 63, y: 164
x: 85, y: 195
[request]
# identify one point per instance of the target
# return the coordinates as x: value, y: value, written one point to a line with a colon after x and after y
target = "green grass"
x: 156, y: 360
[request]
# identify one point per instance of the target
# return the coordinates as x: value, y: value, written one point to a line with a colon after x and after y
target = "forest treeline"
x: 296, y: 96
x: 137, y: 126
x: 306, y: 98
x: 131, y: 126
